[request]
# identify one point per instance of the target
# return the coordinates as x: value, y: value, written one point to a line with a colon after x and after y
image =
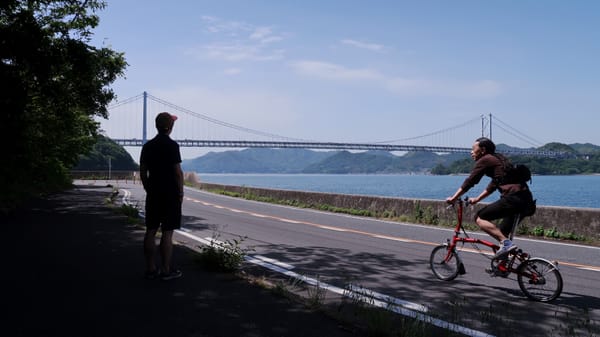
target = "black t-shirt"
x: 161, y: 155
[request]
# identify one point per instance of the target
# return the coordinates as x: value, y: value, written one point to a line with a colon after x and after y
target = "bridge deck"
x: 334, y: 146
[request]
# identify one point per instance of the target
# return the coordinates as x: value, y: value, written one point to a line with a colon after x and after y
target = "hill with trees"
x: 98, y: 158
x: 309, y: 161
x: 255, y: 161
x: 580, y: 159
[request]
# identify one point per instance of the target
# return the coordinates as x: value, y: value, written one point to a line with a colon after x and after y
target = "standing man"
x: 162, y: 178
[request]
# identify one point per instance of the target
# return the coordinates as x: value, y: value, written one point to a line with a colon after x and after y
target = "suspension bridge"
x: 130, y: 116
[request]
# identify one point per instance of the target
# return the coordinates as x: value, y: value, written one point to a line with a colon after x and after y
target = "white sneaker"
x: 506, y: 247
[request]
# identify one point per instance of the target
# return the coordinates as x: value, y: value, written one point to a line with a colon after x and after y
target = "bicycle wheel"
x: 539, y: 279
x: 444, y: 263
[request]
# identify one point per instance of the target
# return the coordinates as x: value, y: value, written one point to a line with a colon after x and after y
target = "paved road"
x: 73, y: 267
x: 392, y: 259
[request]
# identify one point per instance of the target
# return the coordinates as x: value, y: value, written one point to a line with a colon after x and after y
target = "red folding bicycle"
x: 538, y: 278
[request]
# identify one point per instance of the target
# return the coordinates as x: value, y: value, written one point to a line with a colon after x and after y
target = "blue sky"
x: 367, y: 71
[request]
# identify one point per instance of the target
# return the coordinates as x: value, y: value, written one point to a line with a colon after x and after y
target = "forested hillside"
x: 98, y: 158
x: 580, y: 159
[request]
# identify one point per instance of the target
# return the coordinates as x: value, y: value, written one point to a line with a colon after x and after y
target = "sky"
x: 366, y: 71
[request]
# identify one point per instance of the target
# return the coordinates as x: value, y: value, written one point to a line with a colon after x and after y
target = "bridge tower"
x: 490, y: 126
x: 144, y: 134
x: 483, y: 122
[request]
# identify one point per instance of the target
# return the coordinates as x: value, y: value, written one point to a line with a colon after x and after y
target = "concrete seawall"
x: 581, y: 221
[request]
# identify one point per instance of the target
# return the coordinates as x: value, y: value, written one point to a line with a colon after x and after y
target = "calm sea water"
x: 571, y: 191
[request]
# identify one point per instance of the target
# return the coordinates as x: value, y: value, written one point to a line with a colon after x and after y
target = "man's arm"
x: 179, y: 178
x: 144, y: 175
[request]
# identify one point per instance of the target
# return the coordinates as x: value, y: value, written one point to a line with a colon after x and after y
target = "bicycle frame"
x: 538, y: 278
x: 465, y: 239
x: 501, y: 267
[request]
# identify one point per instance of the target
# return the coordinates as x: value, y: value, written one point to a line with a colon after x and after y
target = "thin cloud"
x: 333, y: 71
x: 239, y: 41
x: 363, y: 45
x: 232, y: 71
x: 398, y: 85
x: 238, y: 52
x: 444, y: 88
x: 265, y: 35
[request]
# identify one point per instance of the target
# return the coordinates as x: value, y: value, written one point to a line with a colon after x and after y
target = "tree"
x: 97, y: 159
x: 55, y: 83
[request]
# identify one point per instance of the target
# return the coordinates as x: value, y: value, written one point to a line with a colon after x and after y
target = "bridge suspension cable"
x: 125, y: 101
x: 434, y: 133
x: 516, y: 133
x: 222, y: 123
x: 278, y: 141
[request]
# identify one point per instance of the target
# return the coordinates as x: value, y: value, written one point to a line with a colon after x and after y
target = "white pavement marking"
x: 126, y: 196
x: 390, y: 303
x: 275, y: 262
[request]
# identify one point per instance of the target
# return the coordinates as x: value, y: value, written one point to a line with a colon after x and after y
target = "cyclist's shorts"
x: 506, y: 208
x: 163, y: 212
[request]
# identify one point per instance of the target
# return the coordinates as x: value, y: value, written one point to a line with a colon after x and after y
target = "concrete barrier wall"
x: 581, y: 221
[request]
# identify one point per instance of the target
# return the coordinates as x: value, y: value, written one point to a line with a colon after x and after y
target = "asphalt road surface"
x: 392, y: 259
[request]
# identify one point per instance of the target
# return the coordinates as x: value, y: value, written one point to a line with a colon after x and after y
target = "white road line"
x: 275, y: 262
x: 126, y: 196
x: 398, y: 306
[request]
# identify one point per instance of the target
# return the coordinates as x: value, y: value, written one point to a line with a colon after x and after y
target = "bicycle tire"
x: 539, y: 279
x: 444, y: 269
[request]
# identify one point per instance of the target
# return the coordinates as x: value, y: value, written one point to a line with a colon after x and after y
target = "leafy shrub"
x: 225, y: 256
x: 538, y: 231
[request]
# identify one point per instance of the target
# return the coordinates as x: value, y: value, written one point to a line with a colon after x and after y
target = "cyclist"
x: 515, y: 198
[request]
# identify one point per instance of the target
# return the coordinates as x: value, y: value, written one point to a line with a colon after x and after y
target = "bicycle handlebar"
x: 464, y: 201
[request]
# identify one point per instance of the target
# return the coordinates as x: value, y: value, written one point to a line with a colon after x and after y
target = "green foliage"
x: 226, y: 256
x: 552, y: 233
x: 97, y: 158
x: 58, y: 84
x: 538, y: 231
x: 130, y: 211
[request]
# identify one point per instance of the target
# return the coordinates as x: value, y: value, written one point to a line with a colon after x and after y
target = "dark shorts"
x: 507, y: 208
x: 163, y: 212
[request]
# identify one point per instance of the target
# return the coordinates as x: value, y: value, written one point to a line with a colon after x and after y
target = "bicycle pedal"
x: 497, y: 273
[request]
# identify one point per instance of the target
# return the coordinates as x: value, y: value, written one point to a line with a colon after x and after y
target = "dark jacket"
x: 492, y: 166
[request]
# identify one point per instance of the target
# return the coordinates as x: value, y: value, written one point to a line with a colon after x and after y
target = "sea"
x: 582, y: 191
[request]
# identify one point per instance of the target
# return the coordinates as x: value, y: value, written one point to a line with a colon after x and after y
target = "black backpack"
x: 514, y: 173
x: 517, y: 174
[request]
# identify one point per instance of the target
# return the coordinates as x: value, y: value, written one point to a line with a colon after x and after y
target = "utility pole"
x: 144, y: 135
x: 109, y: 168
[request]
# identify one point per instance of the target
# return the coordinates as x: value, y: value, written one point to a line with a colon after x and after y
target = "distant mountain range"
x: 257, y: 160
x: 309, y: 161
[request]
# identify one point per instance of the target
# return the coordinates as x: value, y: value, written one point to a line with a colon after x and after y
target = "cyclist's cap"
x: 165, y: 120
